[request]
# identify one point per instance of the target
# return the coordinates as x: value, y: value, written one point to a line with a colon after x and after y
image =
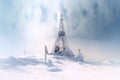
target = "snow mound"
x: 56, y: 68
x: 13, y: 62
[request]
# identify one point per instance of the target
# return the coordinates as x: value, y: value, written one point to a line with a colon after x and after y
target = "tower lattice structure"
x: 61, y: 42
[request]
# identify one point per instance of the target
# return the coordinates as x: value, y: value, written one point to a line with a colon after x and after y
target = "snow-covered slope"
x: 56, y: 68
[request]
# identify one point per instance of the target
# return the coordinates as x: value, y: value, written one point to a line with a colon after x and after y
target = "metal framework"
x: 61, y: 42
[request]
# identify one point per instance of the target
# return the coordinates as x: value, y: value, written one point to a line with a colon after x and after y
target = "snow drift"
x: 56, y: 68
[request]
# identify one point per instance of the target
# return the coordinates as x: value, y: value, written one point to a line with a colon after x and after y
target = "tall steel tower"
x: 61, y: 42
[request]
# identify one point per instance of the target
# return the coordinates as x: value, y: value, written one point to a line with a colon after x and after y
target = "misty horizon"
x: 92, y: 26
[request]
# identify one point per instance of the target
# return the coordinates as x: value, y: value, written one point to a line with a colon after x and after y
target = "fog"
x: 93, y: 26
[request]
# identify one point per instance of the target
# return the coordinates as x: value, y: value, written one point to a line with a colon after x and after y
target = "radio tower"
x: 61, y: 43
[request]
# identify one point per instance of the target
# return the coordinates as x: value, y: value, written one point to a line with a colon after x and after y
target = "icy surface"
x: 56, y: 68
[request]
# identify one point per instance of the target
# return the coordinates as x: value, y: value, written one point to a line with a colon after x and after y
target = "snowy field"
x: 56, y: 68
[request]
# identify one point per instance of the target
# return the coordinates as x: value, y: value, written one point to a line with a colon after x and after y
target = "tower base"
x: 65, y: 52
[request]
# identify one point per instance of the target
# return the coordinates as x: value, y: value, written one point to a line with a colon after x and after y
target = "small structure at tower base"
x: 65, y: 52
x: 61, y: 46
x: 79, y: 56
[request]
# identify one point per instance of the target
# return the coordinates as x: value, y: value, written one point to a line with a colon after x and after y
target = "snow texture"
x: 56, y: 68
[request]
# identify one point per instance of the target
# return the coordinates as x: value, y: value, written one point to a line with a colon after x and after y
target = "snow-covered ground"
x: 56, y: 68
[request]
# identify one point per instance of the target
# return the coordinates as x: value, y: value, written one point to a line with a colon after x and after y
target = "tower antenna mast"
x: 61, y: 42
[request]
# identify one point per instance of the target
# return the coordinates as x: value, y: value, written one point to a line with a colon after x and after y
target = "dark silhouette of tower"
x: 61, y: 43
